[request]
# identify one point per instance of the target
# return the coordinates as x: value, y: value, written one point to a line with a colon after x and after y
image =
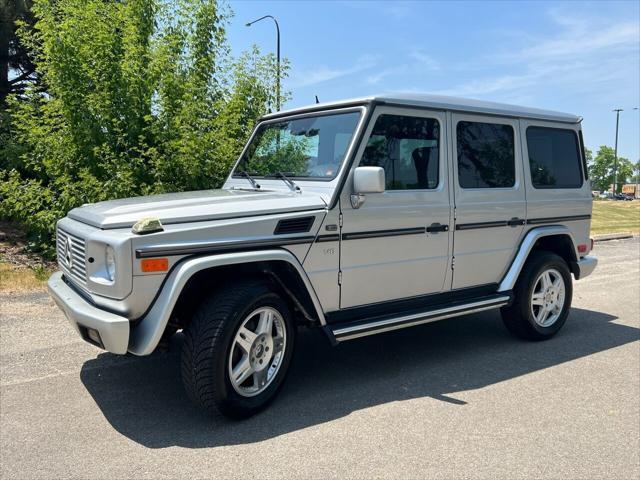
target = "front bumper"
x: 113, y: 329
x: 585, y: 266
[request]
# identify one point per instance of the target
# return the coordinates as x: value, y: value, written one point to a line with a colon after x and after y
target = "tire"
x: 210, y: 350
x: 524, y: 317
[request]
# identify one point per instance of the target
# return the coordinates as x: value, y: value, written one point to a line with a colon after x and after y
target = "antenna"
x: 317, y: 101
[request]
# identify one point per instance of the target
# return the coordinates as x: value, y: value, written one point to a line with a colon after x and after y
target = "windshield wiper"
x: 290, y: 183
x: 253, y: 183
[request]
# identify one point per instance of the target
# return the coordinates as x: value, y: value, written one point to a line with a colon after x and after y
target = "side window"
x: 408, y: 150
x: 554, y: 158
x: 486, y: 155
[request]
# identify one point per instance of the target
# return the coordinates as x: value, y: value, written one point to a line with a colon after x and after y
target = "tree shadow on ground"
x: 143, y: 399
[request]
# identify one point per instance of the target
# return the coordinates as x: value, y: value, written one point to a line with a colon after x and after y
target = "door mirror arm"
x: 357, y: 200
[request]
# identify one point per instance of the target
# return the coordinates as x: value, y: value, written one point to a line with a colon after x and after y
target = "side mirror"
x: 366, y: 180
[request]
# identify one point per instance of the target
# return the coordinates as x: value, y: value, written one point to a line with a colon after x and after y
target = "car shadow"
x: 143, y: 399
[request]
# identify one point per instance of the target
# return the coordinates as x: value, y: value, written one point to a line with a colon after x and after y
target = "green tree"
x: 625, y: 172
x: 17, y: 70
x: 588, y: 155
x: 142, y: 97
x: 601, y: 169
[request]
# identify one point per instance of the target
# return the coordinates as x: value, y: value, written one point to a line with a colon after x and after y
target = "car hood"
x: 194, y: 207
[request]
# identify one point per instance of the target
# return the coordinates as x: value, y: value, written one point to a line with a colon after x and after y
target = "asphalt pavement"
x: 458, y: 398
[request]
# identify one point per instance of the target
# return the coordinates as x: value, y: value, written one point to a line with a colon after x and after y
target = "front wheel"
x: 237, y: 350
x: 542, y: 300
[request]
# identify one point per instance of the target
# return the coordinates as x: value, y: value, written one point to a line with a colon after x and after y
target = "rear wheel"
x: 237, y: 350
x: 542, y: 300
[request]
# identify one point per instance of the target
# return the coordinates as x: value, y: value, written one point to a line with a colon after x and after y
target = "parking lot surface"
x: 458, y: 398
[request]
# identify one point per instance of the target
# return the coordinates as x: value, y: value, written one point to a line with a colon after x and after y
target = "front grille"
x: 71, y: 255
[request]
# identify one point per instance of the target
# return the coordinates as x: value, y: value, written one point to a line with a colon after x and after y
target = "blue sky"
x: 576, y: 57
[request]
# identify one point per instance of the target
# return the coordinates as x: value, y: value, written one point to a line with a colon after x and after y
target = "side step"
x: 370, y: 326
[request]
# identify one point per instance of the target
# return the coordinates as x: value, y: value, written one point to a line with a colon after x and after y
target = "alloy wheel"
x: 257, y: 351
x: 548, y: 297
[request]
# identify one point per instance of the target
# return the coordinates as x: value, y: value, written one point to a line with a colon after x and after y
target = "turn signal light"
x: 154, y: 265
x: 582, y: 248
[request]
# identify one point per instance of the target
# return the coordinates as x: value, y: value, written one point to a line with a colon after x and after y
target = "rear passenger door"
x: 489, y: 197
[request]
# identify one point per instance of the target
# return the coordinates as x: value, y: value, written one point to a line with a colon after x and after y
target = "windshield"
x: 311, y: 147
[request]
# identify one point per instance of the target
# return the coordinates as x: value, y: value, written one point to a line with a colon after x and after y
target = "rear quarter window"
x: 554, y: 158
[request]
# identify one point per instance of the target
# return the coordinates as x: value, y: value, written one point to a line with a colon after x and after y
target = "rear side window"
x: 408, y: 150
x: 554, y: 158
x: 486, y: 155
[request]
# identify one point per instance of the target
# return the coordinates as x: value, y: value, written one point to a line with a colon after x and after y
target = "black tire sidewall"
x: 231, y: 402
x: 545, y: 262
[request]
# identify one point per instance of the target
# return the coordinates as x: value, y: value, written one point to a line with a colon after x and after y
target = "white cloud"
x: 323, y: 73
x: 579, y: 41
x: 424, y: 60
x: 490, y: 85
x: 376, y: 78
x: 418, y: 63
x: 380, y: 75
x: 583, y: 55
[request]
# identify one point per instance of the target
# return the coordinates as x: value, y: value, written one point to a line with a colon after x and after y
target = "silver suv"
x: 357, y: 217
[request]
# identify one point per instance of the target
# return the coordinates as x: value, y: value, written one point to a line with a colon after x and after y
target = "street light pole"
x: 615, y: 155
x: 277, y: 54
x: 615, y: 159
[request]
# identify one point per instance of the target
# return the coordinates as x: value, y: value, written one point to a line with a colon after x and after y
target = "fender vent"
x: 294, y: 225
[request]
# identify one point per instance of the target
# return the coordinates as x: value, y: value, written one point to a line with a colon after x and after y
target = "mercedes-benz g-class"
x: 356, y: 217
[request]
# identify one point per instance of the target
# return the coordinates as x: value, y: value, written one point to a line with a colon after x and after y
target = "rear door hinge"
x: 340, y: 277
x: 453, y: 263
x: 340, y: 220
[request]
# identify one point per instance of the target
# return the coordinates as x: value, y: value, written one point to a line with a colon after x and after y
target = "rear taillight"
x: 584, y: 248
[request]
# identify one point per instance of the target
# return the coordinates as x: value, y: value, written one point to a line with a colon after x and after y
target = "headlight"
x: 110, y: 262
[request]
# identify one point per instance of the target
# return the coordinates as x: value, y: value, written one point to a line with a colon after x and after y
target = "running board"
x: 372, y: 326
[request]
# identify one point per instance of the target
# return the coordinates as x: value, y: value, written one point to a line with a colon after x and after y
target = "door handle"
x: 514, y: 222
x: 436, y: 227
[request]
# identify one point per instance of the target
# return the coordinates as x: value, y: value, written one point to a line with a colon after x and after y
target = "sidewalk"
x: 612, y: 236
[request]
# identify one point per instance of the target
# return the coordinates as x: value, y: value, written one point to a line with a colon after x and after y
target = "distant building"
x: 631, y: 189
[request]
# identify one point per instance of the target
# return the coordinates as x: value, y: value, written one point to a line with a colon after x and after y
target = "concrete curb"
x: 612, y: 236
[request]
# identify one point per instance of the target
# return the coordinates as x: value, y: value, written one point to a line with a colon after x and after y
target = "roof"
x: 441, y: 102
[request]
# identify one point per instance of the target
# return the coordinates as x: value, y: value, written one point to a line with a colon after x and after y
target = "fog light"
x: 94, y: 336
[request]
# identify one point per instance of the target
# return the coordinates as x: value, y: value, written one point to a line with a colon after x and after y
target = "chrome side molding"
x: 341, y: 333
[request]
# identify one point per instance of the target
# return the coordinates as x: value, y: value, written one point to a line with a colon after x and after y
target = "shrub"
x: 138, y: 97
